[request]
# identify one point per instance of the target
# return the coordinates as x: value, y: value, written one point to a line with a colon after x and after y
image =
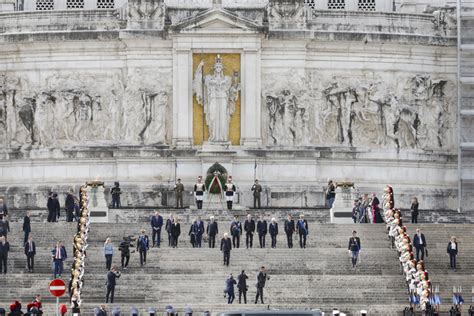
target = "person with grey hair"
x: 212, y: 230
x: 226, y: 247
x: 273, y: 229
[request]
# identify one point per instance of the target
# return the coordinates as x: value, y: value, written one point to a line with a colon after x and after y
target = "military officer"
x: 199, y: 189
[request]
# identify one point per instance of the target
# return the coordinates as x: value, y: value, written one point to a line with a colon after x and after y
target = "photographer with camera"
x: 261, y: 279
x: 242, y: 286
x: 112, y: 277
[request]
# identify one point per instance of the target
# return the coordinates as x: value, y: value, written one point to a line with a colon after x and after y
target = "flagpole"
x: 255, y: 170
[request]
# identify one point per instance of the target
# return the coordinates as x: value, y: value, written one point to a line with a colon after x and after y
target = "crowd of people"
x: 241, y: 283
x: 422, y: 294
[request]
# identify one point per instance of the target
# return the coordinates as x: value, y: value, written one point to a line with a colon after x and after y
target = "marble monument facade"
x: 362, y: 95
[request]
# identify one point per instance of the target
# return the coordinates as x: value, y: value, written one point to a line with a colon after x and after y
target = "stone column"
x: 251, y: 99
x: 182, y: 97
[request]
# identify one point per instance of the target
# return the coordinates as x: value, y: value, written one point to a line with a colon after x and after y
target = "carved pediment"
x: 217, y: 20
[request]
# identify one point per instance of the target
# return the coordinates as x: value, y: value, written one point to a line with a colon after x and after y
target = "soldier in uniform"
x: 229, y: 192
x: 257, y: 190
x: 199, y: 189
x: 179, y: 189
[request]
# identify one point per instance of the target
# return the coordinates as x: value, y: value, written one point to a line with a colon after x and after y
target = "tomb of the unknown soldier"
x: 237, y: 157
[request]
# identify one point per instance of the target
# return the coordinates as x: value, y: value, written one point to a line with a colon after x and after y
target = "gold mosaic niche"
x: 200, y: 129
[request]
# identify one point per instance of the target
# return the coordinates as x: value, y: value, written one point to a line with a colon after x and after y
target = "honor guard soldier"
x: 229, y: 192
x: 257, y: 190
x: 179, y: 189
x: 199, y: 189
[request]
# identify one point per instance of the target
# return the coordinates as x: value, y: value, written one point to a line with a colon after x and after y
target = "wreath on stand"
x: 216, y: 179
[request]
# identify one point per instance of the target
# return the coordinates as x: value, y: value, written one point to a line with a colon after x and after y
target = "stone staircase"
x: 319, y: 276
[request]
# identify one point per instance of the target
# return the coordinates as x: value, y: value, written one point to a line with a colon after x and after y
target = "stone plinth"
x: 99, y: 211
x: 341, y: 211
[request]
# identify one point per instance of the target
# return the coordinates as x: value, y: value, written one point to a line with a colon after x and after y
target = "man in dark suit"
x: 302, y: 227
x: 199, y: 232
x: 212, y: 230
x: 289, y: 230
x: 249, y: 227
x: 262, y: 231
x: 175, y: 232
x: 70, y: 205
x: 419, y: 242
x: 242, y: 286
x: 112, y: 277
x: 26, y: 227
x: 50, y: 206
x: 59, y: 255
x: 156, y: 224
x: 236, y: 231
x: 56, y: 207
x: 4, y: 226
x: 143, y: 244
x: 30, y: 252
x: 261, y: 280
x: 4, y: 249
x: 169, y: 224
x: 273, y: 229
x: 226, y: 247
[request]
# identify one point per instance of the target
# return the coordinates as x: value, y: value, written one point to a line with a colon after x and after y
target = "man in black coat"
x: 143, y: 244
x: 26, y: 227
x: 289, y: 230
x: 273, y: 229
x: 124, y: 248
x: 212, y: 230
x: 226, y: 247
x: 70, y: 205
x: 4, y: 226
x: 175, y: 232
x: 262, y: 231
x: 249, y: 227
x: 261, y: 279
x: 30, y: 252
x: 419, y: 242
x: 56, y: 207
x: 242, y: 286
x: 169, y: 224
x: 302, y: 227
x: 112, y: 277
x: 236, y: 231
x: 50, y: 206
x: 4, y: 249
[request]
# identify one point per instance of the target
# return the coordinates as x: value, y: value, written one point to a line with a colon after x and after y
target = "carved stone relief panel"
x: 377, y: 111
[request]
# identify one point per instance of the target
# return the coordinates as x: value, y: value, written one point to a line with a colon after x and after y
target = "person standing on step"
x: 143, y: 244
x: 414, y: 210
x: 212, y: 230
x: 249, y: 227
x: 50, y: 206
x: 26, y: 227
x: 419, y: 242
x: 179, y: 189
x: 108, y: 253
x: 289, y: 230
x: 242, y: 286
x: 229, y: 288
x: 175, y: 232
x: 453, y: 252
x: 236, y: 231
x: 257, y: 192
x: 330, y: 194
x: 302, y: 227
x: 4, y: 249
x: 115, y: 192
x: 156, y: 225
x: 226, y: 247
x: 261, y: 280
x: 192, y: 233
x: 229, y: 192
x: 199, y: 189
x: 4, y: 226
x: 354, y: 248
x: 169, y: 225
x: 124, y: 248
x: 70, y: 205
x: 199, y: 232
x: 59, y: 255
x: 30, y: 252
x: 273, y: 229
x: 262, y: 231
x: 56, y: 207
x: 112, y: 277
x: 3, y: 208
